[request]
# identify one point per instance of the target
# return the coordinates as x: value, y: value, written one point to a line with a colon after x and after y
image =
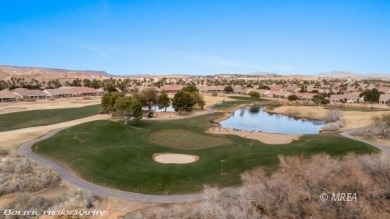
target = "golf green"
x: 119, y: 156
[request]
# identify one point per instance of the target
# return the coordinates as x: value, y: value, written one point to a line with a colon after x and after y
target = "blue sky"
x: 198, y: 36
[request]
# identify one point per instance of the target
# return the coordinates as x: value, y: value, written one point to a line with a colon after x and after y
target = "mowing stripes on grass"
x: 19, y: 120
x: 185, y: 139
x: 119, y: 156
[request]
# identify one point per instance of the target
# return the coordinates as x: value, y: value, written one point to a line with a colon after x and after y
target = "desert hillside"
x: 38, y: 73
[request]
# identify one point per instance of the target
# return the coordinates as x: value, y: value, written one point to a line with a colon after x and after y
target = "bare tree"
x: 294, y: 191
x: 333, y: 116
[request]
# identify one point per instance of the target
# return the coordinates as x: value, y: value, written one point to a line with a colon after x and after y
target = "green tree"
x: 163, y: 100
x: 190, y: 88
x: 228, y: 89
x: 87, y: 83
x: 183, y: 101
x: 371, y: 95
x: 128, y: 107
x: 108, y: 102
x: 199, y: 100
x: 149, y: 97
x: 292, y: 97
x: 320, y: 99
x: 254, y: 95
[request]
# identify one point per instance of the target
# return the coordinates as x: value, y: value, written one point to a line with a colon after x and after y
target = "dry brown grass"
x: 294, y: 191
x: 19, y: 174
x: 351, y: 119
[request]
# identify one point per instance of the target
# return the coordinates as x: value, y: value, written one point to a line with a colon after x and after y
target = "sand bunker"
x: 168, y: 158
x: 267, y: 138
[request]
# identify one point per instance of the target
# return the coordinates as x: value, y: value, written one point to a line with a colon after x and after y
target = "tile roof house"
x: 349, y: 98
x: 292, y: 88
x: 171, y: 88
x: 278, y: 94
x: 57, y: 93
x: 305, y: 96
x: 384, y: 99
x: 275, y: 87
x: 29, y: 94
x: 84, y: 91
x: 7, y: 96
x: 237, y: 89
x: 211, y: 89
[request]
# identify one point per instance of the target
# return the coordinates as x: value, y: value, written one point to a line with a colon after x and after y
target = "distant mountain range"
x: 344, y: 74
x: 7, y: 72
x: 40, y: 73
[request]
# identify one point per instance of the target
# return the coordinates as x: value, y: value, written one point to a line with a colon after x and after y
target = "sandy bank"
x: 267, y: 138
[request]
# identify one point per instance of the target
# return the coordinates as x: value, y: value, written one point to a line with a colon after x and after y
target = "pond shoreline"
x: 257, y: 121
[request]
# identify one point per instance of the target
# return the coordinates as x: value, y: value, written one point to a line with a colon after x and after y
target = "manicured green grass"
x: 19, y: 120
x: 229, y: 105
x: 186, y: 139
x: 115, y: 155
x: 246, y: 98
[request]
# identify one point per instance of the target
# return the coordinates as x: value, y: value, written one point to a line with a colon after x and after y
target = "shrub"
x: 333, y: 116
x: 78, y: 199
x: 294, y: 191
x: 19, y: 174
x: 3, y: 152
x: 332, y: 126
x: 292, y: 97
x: 380, y: 125
x: 25, y: 202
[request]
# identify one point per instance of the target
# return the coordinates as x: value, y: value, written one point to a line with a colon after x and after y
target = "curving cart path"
x: 69, y: 177
x: 382, y: 148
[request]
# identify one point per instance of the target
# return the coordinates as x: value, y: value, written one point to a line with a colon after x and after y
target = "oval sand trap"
x: 168, y: 158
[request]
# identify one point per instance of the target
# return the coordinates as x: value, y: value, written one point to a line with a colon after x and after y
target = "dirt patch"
x: 267, y: 138
x: 168, y: 158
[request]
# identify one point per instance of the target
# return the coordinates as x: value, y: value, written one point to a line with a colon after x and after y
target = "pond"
x: 156, y: 109
x: 257, y: 119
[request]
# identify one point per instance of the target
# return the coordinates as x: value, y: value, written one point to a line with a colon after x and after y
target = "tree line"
x: 131, y: 106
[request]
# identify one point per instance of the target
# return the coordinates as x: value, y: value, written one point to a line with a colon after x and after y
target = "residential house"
x: 275, y: 87
x: 171, y: 88
x: 7, y: 96
x: 29, y: 94
x: 349, y: 98
x: 237, y: 89
x: 278, y: 94
x: 384, y: 99
x: 58, y: 93
x: 211, y: 88
x: 305, y: 96
x: 292, y: 88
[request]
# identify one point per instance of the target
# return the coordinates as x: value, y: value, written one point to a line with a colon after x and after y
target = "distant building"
x: 351, y: 98
x: 29, y: 94
x: 384, y: 99
x: 7, y: 96
x: 58, y: 93
x: 305, y: 96
x: 275, y: 87
x: 171, y: 88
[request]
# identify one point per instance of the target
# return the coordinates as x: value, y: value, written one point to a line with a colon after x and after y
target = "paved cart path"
x: 69, y: 177
x: 382, y: 148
